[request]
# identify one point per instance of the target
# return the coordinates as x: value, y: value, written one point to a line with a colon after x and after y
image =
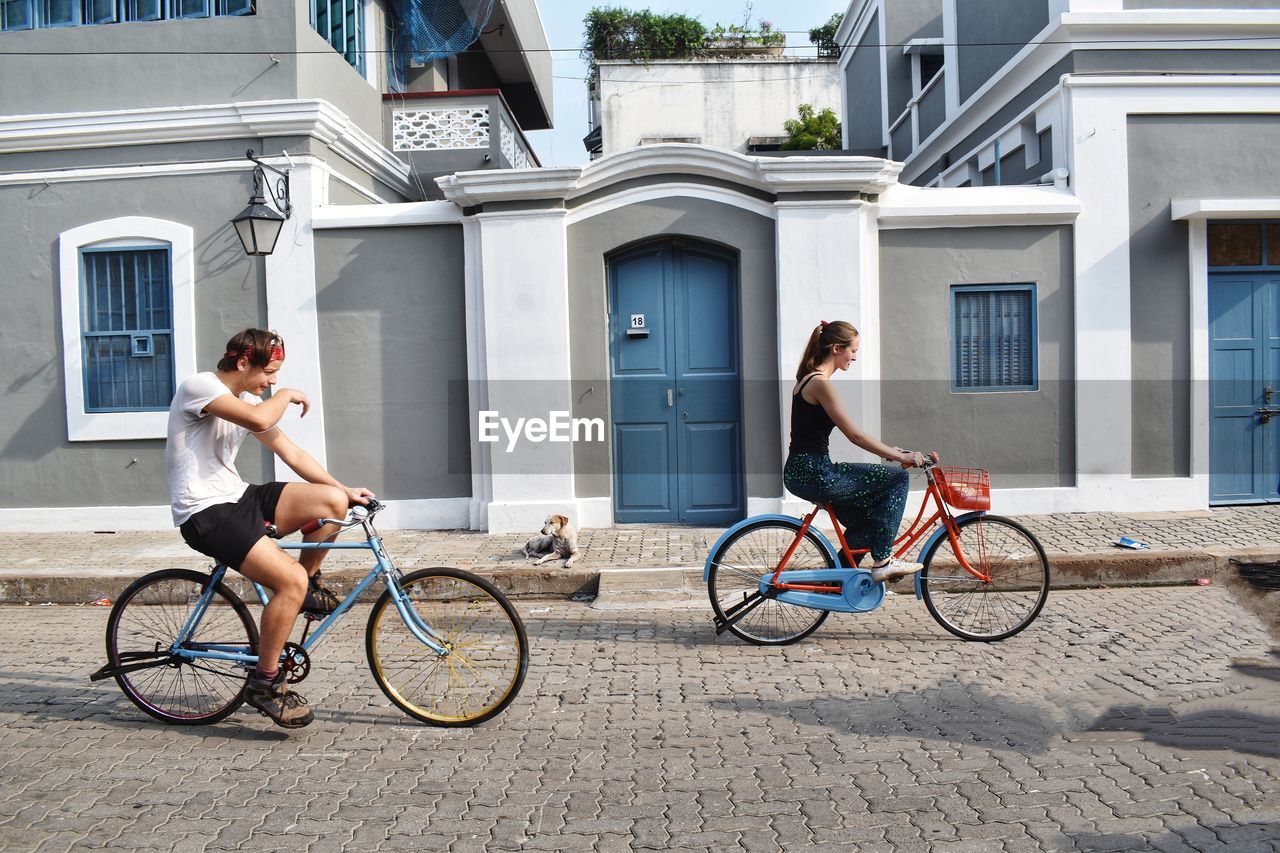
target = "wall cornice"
x: 801, y: 174
x: 313, y: 118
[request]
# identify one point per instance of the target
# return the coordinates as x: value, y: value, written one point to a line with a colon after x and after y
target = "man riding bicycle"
x: 225, y: 518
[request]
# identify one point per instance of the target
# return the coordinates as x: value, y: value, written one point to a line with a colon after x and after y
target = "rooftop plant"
x: 617, y: 33
x: 812, y: 131
x: 824, y: 37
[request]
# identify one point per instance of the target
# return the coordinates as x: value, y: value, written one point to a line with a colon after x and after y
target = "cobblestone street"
x: 1122, y: 720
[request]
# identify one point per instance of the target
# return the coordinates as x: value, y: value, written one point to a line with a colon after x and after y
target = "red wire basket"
x: 964, y: 488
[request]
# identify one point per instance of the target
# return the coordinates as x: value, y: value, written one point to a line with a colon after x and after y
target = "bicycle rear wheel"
x: 974, y: 609
x: 142, y: 627
x: 488, y: 650
x: 734, y: 582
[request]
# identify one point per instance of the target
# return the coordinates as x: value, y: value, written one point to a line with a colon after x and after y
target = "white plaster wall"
x: 718, y: 102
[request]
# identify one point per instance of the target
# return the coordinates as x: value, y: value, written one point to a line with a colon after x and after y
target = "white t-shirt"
x: 200, y: 453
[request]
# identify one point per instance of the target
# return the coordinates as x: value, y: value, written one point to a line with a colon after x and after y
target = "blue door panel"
x: 643, y: 448
x: 676, y: 391
x: 1231, y: 311
x: 714, y: 449
x: 633, y: 293
x: 709, y: 347
x: 1244, y: 361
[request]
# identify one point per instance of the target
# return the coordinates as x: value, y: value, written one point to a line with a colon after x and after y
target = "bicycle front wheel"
x: 142, y: 627
x: 986, y: 610
x: 487, y: 649
x: 734, y: 582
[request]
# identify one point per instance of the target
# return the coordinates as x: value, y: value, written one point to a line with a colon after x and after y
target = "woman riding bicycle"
x: 868, y: 499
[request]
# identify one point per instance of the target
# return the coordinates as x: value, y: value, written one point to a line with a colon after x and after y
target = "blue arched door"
x: 675, y: 385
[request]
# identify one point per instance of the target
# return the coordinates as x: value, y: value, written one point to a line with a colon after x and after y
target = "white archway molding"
x: 672, y: 162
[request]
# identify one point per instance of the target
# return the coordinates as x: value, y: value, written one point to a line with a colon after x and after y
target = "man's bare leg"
x: 303, y: 502
x: 287, y: 580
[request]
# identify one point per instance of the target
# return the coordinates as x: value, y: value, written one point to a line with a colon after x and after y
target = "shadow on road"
x: 55, y: 697
x: 1217, y: 728
x: 1249, y: 836
x: 947, y: 713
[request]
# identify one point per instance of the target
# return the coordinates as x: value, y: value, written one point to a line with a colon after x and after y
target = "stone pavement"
x: 81, y: 567
x: 1129, y: 719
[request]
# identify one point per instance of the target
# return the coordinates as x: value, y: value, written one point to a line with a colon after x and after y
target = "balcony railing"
x: 924, y: 114
x: 461, y: 130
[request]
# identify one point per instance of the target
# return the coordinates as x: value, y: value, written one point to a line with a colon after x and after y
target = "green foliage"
x: 613, y: 33
x: 824, y: 37
x: 616, y: 33
x: 812, y: 132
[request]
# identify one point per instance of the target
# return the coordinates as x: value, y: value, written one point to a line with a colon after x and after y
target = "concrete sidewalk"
x: 70, y: 568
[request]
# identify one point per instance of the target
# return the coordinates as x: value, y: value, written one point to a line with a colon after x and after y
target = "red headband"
x: 277, y: 353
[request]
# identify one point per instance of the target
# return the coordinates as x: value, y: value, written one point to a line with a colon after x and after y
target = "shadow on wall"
x: 35, y: 437
x: 221, y: 251
x: 393, y: 339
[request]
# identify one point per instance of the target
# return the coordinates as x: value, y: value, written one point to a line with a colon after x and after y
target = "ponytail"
x: 825, y: 337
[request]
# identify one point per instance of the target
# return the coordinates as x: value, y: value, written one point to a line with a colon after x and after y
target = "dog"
x: 558, y: 541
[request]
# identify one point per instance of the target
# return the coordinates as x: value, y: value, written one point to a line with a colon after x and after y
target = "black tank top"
x: 810, y: 424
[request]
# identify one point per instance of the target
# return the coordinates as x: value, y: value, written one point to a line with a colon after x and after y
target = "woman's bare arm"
x: 824, y: 394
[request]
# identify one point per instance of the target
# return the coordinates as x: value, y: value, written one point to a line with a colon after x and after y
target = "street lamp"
x: 258, y: 225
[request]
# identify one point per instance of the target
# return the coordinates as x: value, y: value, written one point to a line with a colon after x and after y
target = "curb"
x: 1070, y: 571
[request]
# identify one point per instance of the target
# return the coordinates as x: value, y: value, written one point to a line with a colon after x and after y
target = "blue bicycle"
x: 445, y: 646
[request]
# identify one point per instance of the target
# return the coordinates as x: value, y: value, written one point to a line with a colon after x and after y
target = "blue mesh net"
x: 437, y: 29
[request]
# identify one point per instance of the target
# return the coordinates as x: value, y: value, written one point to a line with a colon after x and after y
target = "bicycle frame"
x: 903, y: 543
x: 383, y: 567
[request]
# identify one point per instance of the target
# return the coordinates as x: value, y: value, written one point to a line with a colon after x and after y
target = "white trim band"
x: 314, y: 118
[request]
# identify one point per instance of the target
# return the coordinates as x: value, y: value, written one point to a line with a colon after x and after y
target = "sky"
x: 562, y: 146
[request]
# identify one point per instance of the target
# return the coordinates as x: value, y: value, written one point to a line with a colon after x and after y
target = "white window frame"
x: 124, y: 232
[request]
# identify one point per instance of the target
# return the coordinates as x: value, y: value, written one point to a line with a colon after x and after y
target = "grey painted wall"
x: 990, y: 32
x: 906, y: 20
x: 752, y: 236
x: 105, y: 71
x: 1179, y: 157
x: 38, y: 466
x: 1026, y: 438
x: 1178, y: 61
x: 863, y: 113
x: 394, y: 361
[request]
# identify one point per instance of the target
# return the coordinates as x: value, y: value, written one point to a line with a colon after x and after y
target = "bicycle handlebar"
x: 357, y: 514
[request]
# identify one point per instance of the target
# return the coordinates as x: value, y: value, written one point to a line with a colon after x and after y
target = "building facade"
x: 487, y: 341
x: 739, y: 103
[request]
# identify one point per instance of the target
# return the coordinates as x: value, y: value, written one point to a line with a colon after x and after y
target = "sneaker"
x: 893, y: 570
x: 275, y: 700
x: 320, y: 600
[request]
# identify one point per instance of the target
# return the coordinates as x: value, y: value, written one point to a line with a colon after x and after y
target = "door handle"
x: 671, y: 401
x: 1267, y: 391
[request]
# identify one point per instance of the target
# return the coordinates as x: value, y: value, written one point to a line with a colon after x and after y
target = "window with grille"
x: 40, y: 14
x: 127, y: 330
x: 993, y: 337
x: 341, y: 23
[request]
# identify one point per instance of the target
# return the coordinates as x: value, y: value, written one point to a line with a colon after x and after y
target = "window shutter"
x: 993, y: 332
x: 128, y: 330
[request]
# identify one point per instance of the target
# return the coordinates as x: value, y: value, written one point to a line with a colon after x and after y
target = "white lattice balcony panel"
x: 440, y: 129
x: 511, y: 148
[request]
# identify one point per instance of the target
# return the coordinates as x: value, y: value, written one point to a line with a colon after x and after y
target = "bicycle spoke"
x: 1011, y: 597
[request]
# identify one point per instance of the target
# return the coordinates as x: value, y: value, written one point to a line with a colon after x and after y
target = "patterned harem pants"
x: 868, y: 499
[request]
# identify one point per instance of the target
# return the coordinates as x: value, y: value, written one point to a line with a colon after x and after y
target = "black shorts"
x: 227, y: 532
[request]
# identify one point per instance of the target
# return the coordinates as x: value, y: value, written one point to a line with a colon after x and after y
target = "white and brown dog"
x: 558, y: 541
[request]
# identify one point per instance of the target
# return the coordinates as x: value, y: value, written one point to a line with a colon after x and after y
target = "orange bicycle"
x: 773, y: 579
